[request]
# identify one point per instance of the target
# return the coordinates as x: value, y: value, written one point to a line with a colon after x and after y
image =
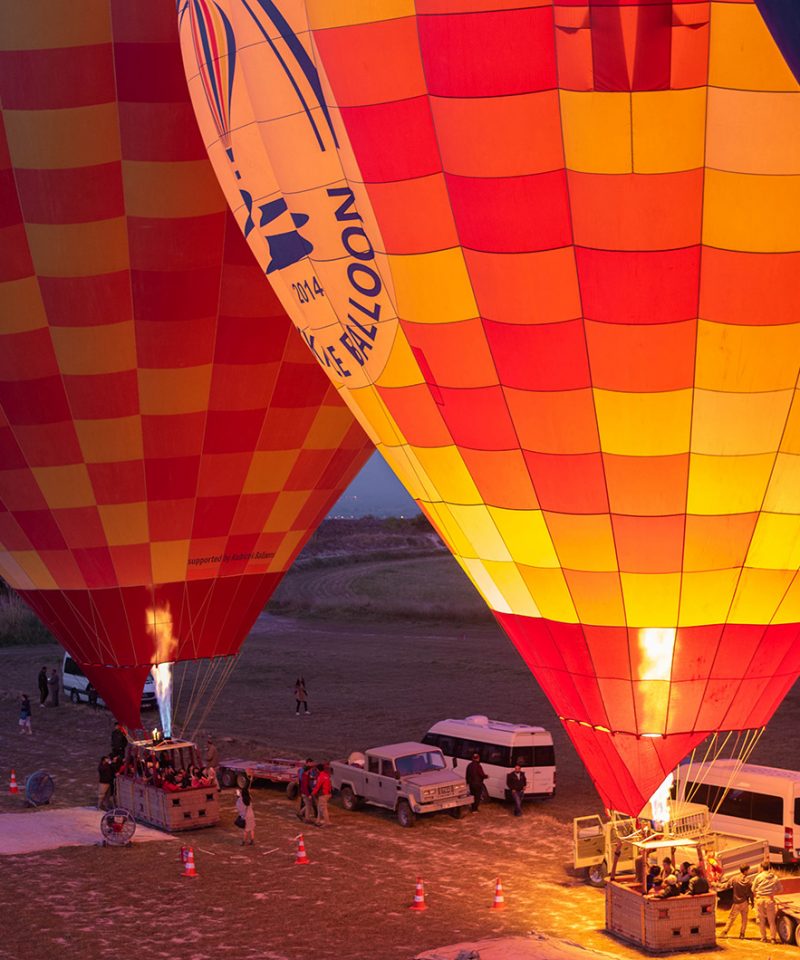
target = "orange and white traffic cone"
x: 12, y: 783
x: 188, y: 864
x: 499, y: 900
x: 419, y: 897
x: 300, y: 856
x: 184, y: 852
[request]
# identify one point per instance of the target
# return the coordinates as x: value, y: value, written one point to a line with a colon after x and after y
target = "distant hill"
x: 376, y: 492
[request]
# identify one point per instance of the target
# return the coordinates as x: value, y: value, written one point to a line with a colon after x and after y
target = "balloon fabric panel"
x: 167, y: 444
x: 559, y: 291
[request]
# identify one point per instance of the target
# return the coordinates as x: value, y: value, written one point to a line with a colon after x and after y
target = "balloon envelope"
x: 167, y: 445
x: 549, y: 251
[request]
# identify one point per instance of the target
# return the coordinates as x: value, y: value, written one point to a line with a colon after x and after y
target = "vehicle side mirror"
x: 455, y: 762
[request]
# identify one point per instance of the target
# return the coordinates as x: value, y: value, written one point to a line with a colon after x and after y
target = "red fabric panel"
x: 120, y: 689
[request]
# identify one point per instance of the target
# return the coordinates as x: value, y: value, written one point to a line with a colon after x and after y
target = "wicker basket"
x: 172, y: 811
x: 660, y: 926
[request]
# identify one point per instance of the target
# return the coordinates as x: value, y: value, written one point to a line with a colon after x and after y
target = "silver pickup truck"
x: 409, y: 778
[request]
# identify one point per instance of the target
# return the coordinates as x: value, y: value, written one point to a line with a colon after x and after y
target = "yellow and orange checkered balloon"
x: 167, y: 445
x: 548, y: 250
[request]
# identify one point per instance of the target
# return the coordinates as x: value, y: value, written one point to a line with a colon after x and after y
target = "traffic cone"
x: 300, y: 857
x: 12, y: 783
x: 188, y: 864
x: 419, y: 897
x: 184, y: 854
x: 499, y: 900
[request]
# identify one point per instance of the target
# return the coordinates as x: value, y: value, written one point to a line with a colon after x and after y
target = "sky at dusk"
x: 377, y: 491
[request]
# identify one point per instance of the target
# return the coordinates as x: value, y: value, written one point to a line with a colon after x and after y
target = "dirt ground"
x: 368, y: 683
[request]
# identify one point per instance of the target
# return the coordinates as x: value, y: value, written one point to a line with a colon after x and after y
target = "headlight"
x: 427, y: 795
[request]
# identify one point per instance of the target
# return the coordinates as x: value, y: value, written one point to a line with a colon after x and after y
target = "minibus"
x: 749, y: 800
x: 76, y: 685
x: 500, y: 746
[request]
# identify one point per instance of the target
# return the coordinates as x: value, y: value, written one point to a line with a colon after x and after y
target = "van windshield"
x: 419, y: 763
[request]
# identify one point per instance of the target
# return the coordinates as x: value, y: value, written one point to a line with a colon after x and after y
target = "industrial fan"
x: 117, y: 827
x: 39, y: 788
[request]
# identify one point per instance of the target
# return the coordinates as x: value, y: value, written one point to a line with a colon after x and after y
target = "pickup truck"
x: 595, y: 841
x: 409, y: 778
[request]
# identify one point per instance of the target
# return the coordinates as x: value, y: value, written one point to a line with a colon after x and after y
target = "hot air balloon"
x: 167, y: 445
x: 549, y: 252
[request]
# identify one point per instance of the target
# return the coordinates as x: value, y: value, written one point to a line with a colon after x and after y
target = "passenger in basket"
x: 669, y: 888
x: 742, y: 888
x: 653, y: 875
x: 666, y: 868
x: 698, y: 884
x: 766, y: 886
x: 684, y: 876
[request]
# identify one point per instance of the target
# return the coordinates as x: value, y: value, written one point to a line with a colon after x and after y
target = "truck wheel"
x: 74, y: 696
x: 349, y: 799
x: 458, y: 812
x: 405, y: 815
x: 227, y: 778
x: 596, y: 874
x: 786, y: 928
x: 292, y: 789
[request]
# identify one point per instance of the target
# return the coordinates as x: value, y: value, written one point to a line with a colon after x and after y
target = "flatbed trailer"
x: 235, y: 773
x: 788, y: 918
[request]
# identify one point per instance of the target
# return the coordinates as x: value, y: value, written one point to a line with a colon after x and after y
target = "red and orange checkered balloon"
x: 167, y: 445
x: 549, y: 250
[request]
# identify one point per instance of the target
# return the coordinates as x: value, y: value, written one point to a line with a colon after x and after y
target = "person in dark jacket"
x: 119, y: 740
x: 475, y: 776
x: 516, y: 782
x: 43, y: 690
x: 698, y: 884
x: 105, y: 783
x: 53, y: 684
x: 743, y: 899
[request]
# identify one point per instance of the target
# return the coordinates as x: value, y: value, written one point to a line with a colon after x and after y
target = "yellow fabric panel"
x: 181, y: 189
x: 740, y: 359
x: 485, y: 585
x: 753, y: 132
x: 401, y: 368
x: 67, y: 486
x: 82, y: 351
x: 550, y: 593
x: 372, y: 414
x: 668, y: 130
x: 453, y: 482
x: 526, y: 536
x: 583, y: 541
x: 722, y: 485
x: 597, y: 598
x: 597, y: 131
x: 65, y: 138
x: 776, y: 542
x: 403, y: 463
x: 480, y: 529
x: 759, y: 595
x: 12, y: 572
x: 170, y: 391
x: 269, y: 470
x: 783, y: 493
x: 168, y: 560
x: 513, y: 588
x: 742, y: 54
x: 79, y: 249
x: 749, y: 212
x: 449, y: 530
x: 706, y: 597
x: 124, y: 523
x: 738, y: 423
x: 327, y: 423
x: 651, y: 599
x: 110, y: 441
x: 284, y: 513
x: 433, y: 287
x: 789, y: 609
x: 44, y: 25
x: 286, y: 548
x: 643, y: 424
x: 790, y: 441
x: 323, y: 13
x: 34, y: 568
x: 726, y: 548
x: 21, y: 306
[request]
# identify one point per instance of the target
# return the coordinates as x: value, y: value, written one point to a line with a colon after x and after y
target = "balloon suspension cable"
x: 743, y: 747
x: 207, y: 682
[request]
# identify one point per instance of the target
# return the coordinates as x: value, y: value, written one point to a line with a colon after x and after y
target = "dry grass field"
x: 376, y: 678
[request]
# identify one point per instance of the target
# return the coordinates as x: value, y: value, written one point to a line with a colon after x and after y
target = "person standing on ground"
x: 307, y: 784
x: 742, y: 888
x: 766, y: 886
x: 244, y: 807
x: 516, y: 782
x: 43, y: 686
x: 322, y: 793
x: 300, y: 696
x: 25, y: 714
x: 212, y: 754
x: 475, y: 776
x: 52, y: 686
x: 119, y: 740
x: 105, y: 782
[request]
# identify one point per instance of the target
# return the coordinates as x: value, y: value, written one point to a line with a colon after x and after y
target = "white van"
x: 500, y: 746
x: 76, y: 685
x: 750, y: 800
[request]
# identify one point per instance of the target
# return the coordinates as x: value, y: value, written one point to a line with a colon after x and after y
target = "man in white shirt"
x: 766, y: 886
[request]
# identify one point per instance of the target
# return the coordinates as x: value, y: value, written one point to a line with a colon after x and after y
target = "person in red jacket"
x: 322, y: 794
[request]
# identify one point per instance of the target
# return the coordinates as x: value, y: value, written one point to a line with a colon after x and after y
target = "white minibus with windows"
x: 500, y: 746
x: 76, y: 685
x: 749, y: 800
